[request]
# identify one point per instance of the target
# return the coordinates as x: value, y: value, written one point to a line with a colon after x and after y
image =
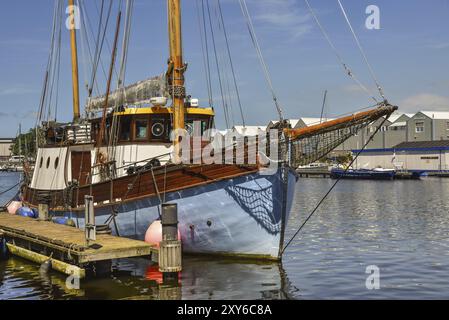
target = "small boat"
x: 375, y: 174
x: 411, y: 175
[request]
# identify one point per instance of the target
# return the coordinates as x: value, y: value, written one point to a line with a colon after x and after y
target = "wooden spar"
x: 75, y: 80
x: 57, y: 265
x: 108, y: 89
x: 370, y: 115
x: 176, y: 69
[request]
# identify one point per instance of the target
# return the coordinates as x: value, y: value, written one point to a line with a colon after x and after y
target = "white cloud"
x: 16, y: 91
x: 282, y: 15
x: 425, y: 101
x: 441, y: 45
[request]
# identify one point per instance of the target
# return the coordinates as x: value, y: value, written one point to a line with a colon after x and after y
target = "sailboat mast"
x: 73, y: 45
x: 176, y: 69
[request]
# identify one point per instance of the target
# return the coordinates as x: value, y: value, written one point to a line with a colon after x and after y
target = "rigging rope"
x: 334, y: 185
x: 346, y: 68
x: 205, y: 50
x: 362, y: 51
x: 253, y: 36
x: 125, y: 44
x: 231, y: 63
x: 85, y: 37
x: 225, y: 106
x: 121, y: 80
x: 83, y: 41
x: 99, y: 44
x: 9, y: 189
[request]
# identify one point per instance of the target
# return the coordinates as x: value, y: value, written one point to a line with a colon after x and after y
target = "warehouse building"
x: 399, y: 127
x: 5, y: 146
x: 410, y: 156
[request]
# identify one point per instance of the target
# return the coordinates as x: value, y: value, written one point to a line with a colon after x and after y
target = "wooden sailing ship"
x: 128, y: 162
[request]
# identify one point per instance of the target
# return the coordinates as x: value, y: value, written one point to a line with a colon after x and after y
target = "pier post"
x: 170, y: 260
x: 43, y: 212
x: 89, y: 219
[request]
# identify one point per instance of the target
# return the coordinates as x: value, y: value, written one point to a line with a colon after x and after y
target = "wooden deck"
x: 68, y: 243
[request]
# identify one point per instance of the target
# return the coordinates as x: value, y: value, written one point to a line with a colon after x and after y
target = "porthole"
x: 41, y: 162
x: 56, y: 162
x: 48, y: 162
x: 157, y: 130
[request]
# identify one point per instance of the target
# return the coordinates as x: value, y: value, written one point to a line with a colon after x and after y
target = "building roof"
x: 437, y: 115
x: 419, y: 146
x: 395, y: 116
x: 248, y: 130
x: 313, y: 121
x: 423, y: 144
x: 272, y: 122
x: 399, y: 124
x: 6, y: 140
x: 293, y: 122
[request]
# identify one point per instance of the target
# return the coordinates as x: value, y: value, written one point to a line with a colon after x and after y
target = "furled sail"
x: 138, y: 93
x: 314, y: 142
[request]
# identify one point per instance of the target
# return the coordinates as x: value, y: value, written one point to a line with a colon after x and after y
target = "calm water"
x: 402, y: 227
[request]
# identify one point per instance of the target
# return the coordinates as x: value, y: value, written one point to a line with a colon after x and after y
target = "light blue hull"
x: 240, y: 216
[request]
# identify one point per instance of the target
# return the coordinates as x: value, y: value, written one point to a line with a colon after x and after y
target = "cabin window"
x: 125, y: 129
x: 419, y: 127
x: 197, y: 126
x: 48, y: 162
x: 56, y: 162
x: 41, y: 162
x: 141, y: 129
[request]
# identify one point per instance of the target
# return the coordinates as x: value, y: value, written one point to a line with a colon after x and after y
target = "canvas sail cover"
x: 138, y: 93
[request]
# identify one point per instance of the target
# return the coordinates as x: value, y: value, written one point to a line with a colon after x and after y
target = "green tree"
x: 25, y: 144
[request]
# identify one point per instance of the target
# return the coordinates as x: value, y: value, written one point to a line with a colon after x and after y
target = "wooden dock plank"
x: 71, y: 240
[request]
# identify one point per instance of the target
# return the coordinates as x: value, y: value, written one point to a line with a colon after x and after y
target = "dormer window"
x: 419, y: 127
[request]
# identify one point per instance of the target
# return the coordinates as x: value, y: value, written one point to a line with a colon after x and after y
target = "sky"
x: 409, y: 55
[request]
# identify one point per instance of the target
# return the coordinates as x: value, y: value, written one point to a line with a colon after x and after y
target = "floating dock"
x: 313, y: 173
x: 399, y: 175
x: 39, y: 240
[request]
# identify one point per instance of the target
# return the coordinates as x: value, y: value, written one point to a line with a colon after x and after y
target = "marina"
x: 383, y: 225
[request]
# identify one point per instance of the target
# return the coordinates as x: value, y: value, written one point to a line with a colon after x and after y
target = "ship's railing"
x: 240, y: 152
x: 67, y: 134
x: 137, y: 166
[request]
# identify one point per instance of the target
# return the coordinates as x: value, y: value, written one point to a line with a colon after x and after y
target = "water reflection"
x: 139, y: 279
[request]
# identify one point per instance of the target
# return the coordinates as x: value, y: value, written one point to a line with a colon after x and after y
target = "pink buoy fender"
x: 14, y: 206
x: 154, y: 233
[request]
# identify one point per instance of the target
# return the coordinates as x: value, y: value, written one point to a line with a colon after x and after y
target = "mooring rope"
x: 334, y: 185
x: 256, y: 45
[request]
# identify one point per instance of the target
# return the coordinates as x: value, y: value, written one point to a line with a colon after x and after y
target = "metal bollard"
x: 43, y: 212
x: 89, y: 220
x: 170, y: 256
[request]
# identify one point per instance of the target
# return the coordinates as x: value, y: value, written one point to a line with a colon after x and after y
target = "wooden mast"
x: 75, y: 81
x: 176, y: 69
